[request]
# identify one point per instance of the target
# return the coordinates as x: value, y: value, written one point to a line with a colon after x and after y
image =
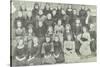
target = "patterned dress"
x: 69, y: 52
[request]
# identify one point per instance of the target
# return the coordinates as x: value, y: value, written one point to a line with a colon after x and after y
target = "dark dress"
x: 45, y: 11
x: 83, y: 15
x: 93, y: 42
x: 20, y: 53
x: 47, y: 50
x: 58, y: 51
x: 35, y: 51
x: 59, y: 14
x: 49, y: 22
x: 70, y: 14
x: 19, y: 19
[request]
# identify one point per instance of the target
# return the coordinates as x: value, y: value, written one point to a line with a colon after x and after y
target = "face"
x: 30, y: 30
x: 83, y: 7
x: 19, y: 24
x: 67, y: 27
x: 40, y: 12
x: 70, y: 6
x: 54, y: 12
x: 29, y: 14
x: 63, y: 12
x: 69, y: 37
x: 92, y: 26
x: 20, y: 42
x: 19, y: 14
x: 36, y: 6
x: 35, y: 40
x: 77, y: 21
x: 24, y: 13
x: 47, y: 39
x: 74, y: 12
x: 23, y: 7
x: 49, y: 16
x: 56, y: 39
x: 50, y: 29
x: 59, y: 7
x: 40, y: 24
x: 47, y: 7
x: 59, y: 22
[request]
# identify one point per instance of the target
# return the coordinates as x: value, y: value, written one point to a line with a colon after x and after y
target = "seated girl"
x: 35, y: 56
x: 20, y: 53
x: 69, y: 50
x: 19, y: 31
x: 58, y: 50
x: 47, y: 50
x: 84, y: 39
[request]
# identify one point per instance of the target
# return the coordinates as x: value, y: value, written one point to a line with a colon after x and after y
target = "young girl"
x: 67, y: 31
x: 69, y: 50
x: 29, y: 39
x: 93, y: 39
x: 69, y: 12
x: 47, y: 50
x: 84, y: 39
x: 49, y: 21
x: 19, y: 31
x: 50, y: 31
x: 59, y: 30
x: 58, y: 50
x: 35, y: 10
x: 54, y: 15
x: 20, y: 53
x: 35, y: 53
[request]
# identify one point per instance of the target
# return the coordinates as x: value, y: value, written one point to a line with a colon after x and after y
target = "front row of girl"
x: 51, y: 49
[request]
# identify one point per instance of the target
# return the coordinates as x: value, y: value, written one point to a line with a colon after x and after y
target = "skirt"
x: 85, y: 49
x: 49, y: 60
x: 71, y: 57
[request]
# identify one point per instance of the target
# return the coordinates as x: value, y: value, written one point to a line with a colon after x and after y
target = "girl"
x: 19, y: 31
x: 93, y: 39
x: 58, y: 50
x: 83, y: 15
x: 47, y: 50
x: 49, y: 21
x: 19, y: 17
x: 69, y: 50
x: 35, y: 53
x: 35, y: 10
x: 84, y: 39
x: 65, y: 18
x: 47, y: 9
x: 74, y: 17
x: 59, y: 30
x: 40, y: 17
x: 77, y: 29
x: 69, y: 12
x: 20, y: 53
x: 54, y: 15
x: 68, y: 31
x: 50, y: 31
x: 29, y: 39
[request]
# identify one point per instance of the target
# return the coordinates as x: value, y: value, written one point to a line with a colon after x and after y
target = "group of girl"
x: 49, y: 36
